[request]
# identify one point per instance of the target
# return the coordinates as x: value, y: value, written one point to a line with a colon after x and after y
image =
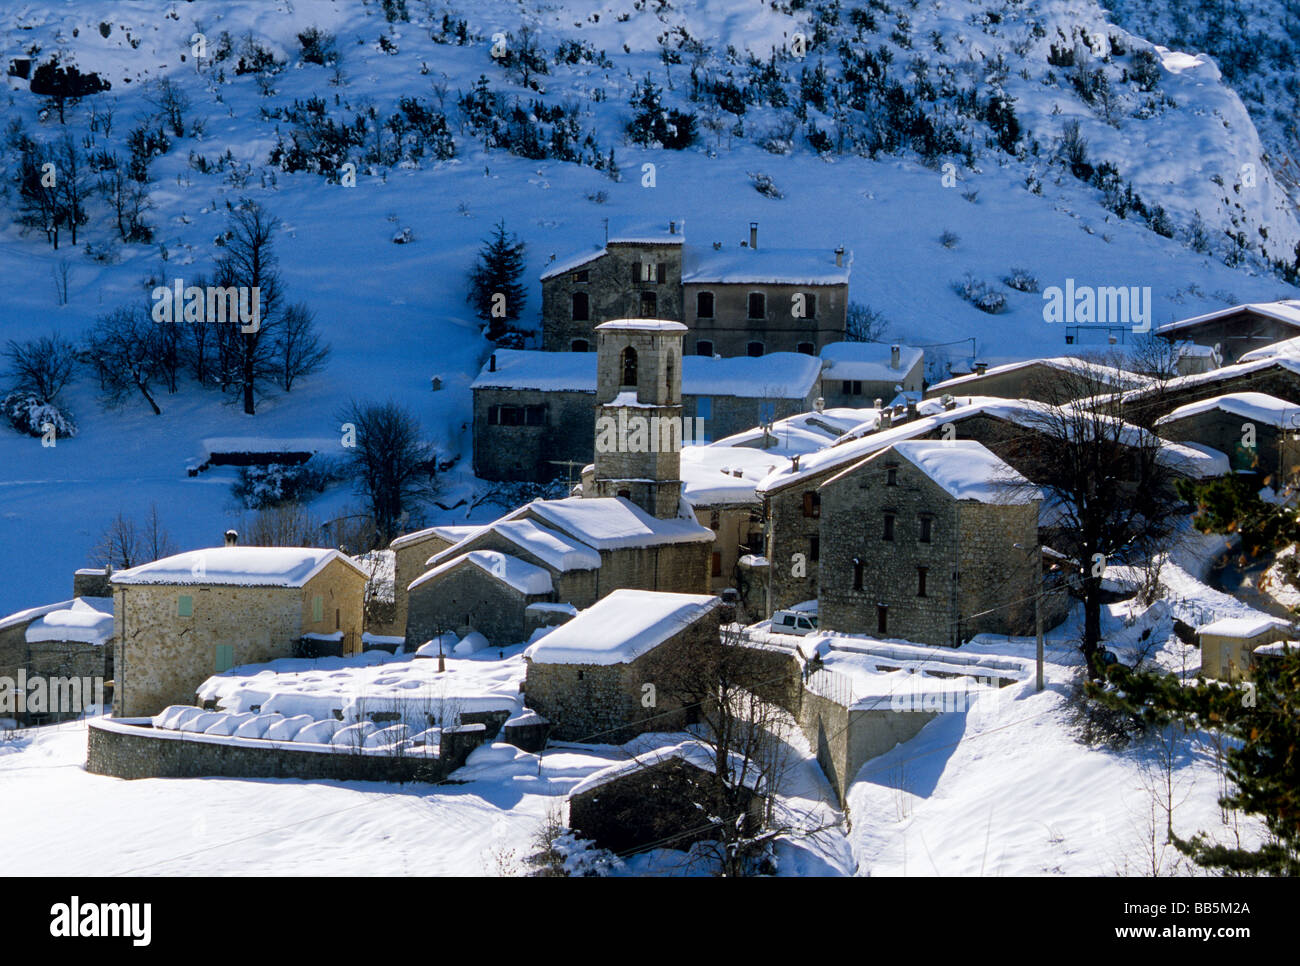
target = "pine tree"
x: 495, y: 291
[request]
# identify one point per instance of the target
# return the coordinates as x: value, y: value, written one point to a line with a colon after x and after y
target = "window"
x: 223, y: 657
x: 580, y: 675
x: 891, y: 475
x: 517, y: 415
x: 852, y: 387
x: 625, y: 494
x: 882, y: 619
x: 810, y: 305
x: 581, y: 278
x: 580, y: 345
x: 812, y: 504
x: 661, y: 272
x: 649, y: 305
x: 755, y: 349
x: 857, y: 574
x: 185, y: 606
x: 581, y: 312
x: 926, y: 528
x: 807, y: 348
x: 757, y: 305
x: 889, y: 527
x: 317, y: 609
x: 814, y: 548
x: 336, y: 618
x: 704, y: 407
x: 715, y: 564
x: 715, y: 520
x: 628, y: 366
x: 704, y: 305
x: 921, y: 574
x: 704, y: 348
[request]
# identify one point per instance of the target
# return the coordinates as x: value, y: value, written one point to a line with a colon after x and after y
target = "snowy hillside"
x: 395, y: 314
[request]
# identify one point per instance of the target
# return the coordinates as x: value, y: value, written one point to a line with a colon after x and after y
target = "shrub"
x: 260, y: 487
x: 981, y: 295
x: 1021, y: 280
x: 318, y: 47
x: 28, y: 414
x: 764, y: 185
x: 949, y: 239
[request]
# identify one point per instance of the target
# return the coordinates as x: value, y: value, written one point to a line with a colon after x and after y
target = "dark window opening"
x: 812, y: 504
x: 926, y: 528
x: 891, y: 476
x: 704, y: 305
x: 661, y: 272
x: 921, y: 574
x: 852, y: 387
x: 882, y: 619
x: 625, y: 494
x: 755, y: 349
x: 704, y: 348
x: 814, y: 548
x: 581, y: 278
x: 517, y: 415
x: 807, y: 348
x: 581, y: 307
x: 889, y: 527
x: 857, y: 574
x: 715, y: 564
x: 757, y: 305
x: 580, y: 345
x: 649, y: 305
x: 628, y: 367
x: 810, y: 305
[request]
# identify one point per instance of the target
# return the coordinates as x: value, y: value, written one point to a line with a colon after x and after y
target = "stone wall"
x: 466, y: 597
x: 1272, y: 455
x: 831, y: 389
x: 731, y: 330
x: 91, y: 582
x: 1235, y: 334
x: 793, y: 546
x: 1272, y: 380
x: 523, y: 453
x: 122, y: 749
x: 611, y: 292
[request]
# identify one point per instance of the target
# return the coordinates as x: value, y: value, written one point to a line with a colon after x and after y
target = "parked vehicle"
x: 794, y: 622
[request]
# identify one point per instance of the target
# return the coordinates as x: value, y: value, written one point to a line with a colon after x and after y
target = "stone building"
x: 637, y: 273
x: 735, y: 300
x: 60, y: 657
x: 535, y: 412
x: 1255, y: 430
x: 1044, y: 380
x: 1237, y: 330
x: 929, y: 540
x: 588, y: 676
x: 411, y: 552
x: 183, y: 618
x: 1277, y: 376
x: 857, y: 373
x: 1228, y: 645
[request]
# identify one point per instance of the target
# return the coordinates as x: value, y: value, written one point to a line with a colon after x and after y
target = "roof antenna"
x: 606, y: 221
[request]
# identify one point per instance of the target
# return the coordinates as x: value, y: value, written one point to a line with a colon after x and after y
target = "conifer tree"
x: 495, y: 291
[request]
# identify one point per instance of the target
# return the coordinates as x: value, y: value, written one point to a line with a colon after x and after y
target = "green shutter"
x: 224, y: 657
x: 185, y: 606
x: 317, y: 609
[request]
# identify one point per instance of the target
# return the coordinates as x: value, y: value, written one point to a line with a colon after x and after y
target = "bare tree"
x: 285, y: 525
x: 129, y: 201
x: 124, y: 347
x: 43, y: 365
x: 38, y: 189
x: 299, y: 350
x: 250, y: 263
x: 171, y: 101
x: 125, y: 543
x: 71, y: 186
x: 393, y: 467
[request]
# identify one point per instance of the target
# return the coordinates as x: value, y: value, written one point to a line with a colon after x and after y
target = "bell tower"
x: 639, y: 414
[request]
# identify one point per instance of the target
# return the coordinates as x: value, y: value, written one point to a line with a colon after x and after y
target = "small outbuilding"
x: 1228, y: 644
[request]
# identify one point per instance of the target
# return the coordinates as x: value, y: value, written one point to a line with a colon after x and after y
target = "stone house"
x: 1237, y: 330
x: 637, y: 273
x: 1037, y: 379
x: 411, y: 552
x: 1277, y: 376
x: 1228, y: 644
x: 857, y: 373
x: 657, y: 797
x: 183, y: 618
x: 1256, y: 431
x: 535, y: 412
x: 588, y: 677
x: 739, y: 301
x: 60, y: 656
x: 929, y: 540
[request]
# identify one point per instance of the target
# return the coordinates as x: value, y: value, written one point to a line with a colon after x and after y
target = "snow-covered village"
x: 650, y: 438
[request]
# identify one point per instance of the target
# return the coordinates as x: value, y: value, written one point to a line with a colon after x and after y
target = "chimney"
x: 895, y: 356
x: 819, y: 404
x: 839, y: 257
x: 912, y: 411
x: 879, y: 404
x: 232, y: 538
x: 981, y: 368
x: 794, y: 462
x: 672, y: 227
x: 753, y: 234
x: 886, y: 418
x: 492, y: 362
x: 948, y: 402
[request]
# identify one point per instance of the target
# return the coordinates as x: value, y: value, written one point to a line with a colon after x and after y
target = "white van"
x: 794, y: 622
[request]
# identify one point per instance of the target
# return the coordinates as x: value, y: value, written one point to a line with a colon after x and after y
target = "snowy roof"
x: 1244, y: 626
x: 613, y: 523
x: 1286, y: 311
x: 555, y: 549
x: 237, y: 566
x: 573, y: 262
x: 1108, y: 375
x: 784, y: 375
x: 724, y: 475
x: 88, y: 620
x: 696, y: 753
x: 965, y: 469
x: 32, y: 613
x: 622, y: 231
x: 1277, y: 648
x: 868, y: 361
x: 451, y: 533
x: 1287, y: 347
x: 519, y: 574
x: 789, y: 266
x: 805, y: 432
x: 1221, y: 374
x: 1260, y: 407
x: 640, y: 325
x: 621, y: 627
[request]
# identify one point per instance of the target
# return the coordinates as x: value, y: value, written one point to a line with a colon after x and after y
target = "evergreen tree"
x: 495, y: 291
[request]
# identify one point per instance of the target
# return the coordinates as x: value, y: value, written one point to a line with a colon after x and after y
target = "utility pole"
x: 1038, y: 618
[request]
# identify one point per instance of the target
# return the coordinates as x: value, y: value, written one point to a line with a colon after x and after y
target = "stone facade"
x: 1274, y: 454
x: 738, y: 530
x: 602, y: 703
x: 1234, y: 334
x: 937, y: 582
x: 731, y: 331
x: 1277, y: 378
x: 466, y: 598
x: 163, y: 657
x: 617, y: 285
